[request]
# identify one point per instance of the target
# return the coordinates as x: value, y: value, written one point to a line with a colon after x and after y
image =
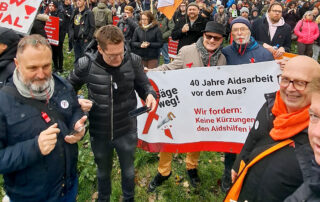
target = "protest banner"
x: 206, y: 109
x: 18, y: 14
x: 52, y: 30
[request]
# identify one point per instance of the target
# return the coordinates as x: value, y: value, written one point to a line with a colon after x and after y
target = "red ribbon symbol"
x: 189, y: 64
x: 152, y: 115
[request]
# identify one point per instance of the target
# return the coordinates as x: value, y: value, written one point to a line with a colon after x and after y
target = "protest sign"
x: 18, y: 14
x: 172, y: 48
x: 52, y: 30
x: 206, y: 109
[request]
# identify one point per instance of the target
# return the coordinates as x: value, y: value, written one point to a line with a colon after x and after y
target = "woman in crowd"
x: 147, y: 40
x: 316, y: 44
x: 307, y: 32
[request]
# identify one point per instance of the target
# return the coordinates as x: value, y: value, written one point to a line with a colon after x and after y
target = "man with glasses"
x: 205, y: 52
x: 272, y: 31
x: 243, y: 50
x: 112, y: 76
x: 309, y: 190
x: 278, y: 140
x: 40, y: 125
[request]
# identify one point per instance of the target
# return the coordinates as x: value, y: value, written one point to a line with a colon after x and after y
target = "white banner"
x: 18, y: 14
x: 216, y: 104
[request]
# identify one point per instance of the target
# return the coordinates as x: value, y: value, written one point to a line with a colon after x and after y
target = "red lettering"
x: 16, y: 23
x: 7, y: 19
x: 3, y: 6
x: 1, y: 14
x: 18, y: 2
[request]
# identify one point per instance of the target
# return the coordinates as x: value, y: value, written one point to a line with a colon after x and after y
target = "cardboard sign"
x: 18, y: 14
x: 52, y: 30
x: 210, y: 109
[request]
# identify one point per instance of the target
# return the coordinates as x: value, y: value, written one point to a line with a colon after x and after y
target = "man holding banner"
x: 205, y: 52
x: 275, y: 159
x: 243, y: 50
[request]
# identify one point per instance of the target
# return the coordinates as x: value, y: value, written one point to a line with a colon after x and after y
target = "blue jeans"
x: 165, y: 54
x: 103, y: 155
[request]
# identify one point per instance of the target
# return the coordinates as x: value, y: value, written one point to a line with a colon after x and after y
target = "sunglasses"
x: 215, y: 38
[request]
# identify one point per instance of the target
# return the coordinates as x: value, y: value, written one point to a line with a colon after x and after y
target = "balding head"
x: 300, y: 70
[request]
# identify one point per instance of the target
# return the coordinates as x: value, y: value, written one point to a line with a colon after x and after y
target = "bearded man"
x: 40, y: 124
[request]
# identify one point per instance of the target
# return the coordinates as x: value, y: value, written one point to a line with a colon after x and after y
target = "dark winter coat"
x: 127, y: 27
x: 7, y: 64
x: 112, y: 90
x: 309, y: 191
x: 67, y: 11
x: 153, y: 36
x: 87, y: 25
x: 278, y: 175
x: 254, y: 52
x: 291, y: 18
x: 28, y: 175
x: 282, y: 37
x: 194, y: 33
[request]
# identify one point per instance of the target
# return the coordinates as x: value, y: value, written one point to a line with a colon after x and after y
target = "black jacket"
x: 153, y: 36
x: 28, y: 175
x: 194, y: 33
x: 87, y: 25
x: 278, y: 175
x: 309, y: 191
x: 127, y: 27
x: 112, y: 90
x: 282, y: 37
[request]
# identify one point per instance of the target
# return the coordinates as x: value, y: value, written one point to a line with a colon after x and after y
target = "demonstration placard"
x: 18, y: 14
x: 206, y: 109
x: 52, y: 30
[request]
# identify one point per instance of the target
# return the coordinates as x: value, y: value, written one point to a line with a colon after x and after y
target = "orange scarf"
x: 286, y: 125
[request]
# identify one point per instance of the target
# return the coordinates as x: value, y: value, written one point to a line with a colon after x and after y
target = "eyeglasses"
x: 314, y: 118
x: 276, y: 11
x: 241, y: 29
x: 297, y: 84
x: 114, y: 56
x: 215, y: 38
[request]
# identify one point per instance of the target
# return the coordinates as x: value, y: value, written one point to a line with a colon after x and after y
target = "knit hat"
x: 8, y: 36
x: 193, y: 4
x: 241, y: 20
x: 215, y: 28
x: 55, y: 3
x: 244, y: 9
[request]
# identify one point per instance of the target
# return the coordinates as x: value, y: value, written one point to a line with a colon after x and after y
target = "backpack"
x: 100, y: 17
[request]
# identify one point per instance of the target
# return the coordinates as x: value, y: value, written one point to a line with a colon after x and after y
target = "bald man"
x: 282, y: 121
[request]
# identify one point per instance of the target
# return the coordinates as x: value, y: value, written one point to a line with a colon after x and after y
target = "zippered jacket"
x: 306, y: 31
x: 112, y: 90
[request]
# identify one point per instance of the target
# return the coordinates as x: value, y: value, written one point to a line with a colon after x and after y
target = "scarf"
x: 26, y: 92
x: 208, y: 58
x: 145, y: 27
x: 273, y: 27
x: 287, y: 125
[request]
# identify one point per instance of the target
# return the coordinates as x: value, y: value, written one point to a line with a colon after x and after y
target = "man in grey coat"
x: 205, y: 52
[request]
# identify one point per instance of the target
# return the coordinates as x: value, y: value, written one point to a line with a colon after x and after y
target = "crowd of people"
x: 115, y: 43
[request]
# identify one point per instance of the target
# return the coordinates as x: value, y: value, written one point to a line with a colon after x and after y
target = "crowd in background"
x: 147, y: 30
